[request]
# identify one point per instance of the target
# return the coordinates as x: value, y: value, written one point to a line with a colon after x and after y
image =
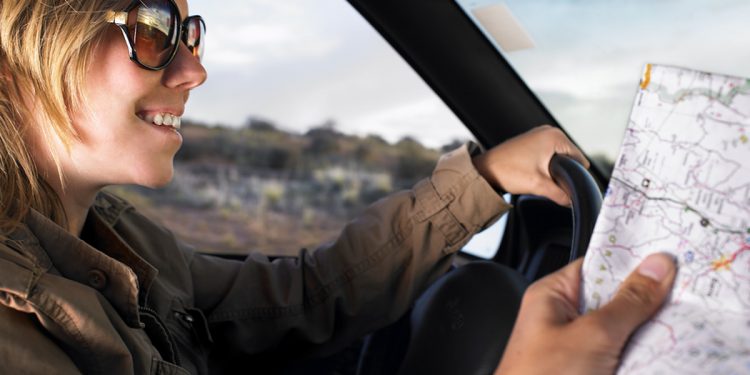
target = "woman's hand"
x: 551, y: 337
x: 521, y: 164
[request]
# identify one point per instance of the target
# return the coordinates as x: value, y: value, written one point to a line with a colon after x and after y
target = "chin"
x: 157, y: 179
x: 159, y: 184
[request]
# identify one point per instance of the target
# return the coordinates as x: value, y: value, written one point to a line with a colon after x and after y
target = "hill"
x: 262, y: 188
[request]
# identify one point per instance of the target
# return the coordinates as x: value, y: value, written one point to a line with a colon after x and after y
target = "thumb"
x: 639, y: 297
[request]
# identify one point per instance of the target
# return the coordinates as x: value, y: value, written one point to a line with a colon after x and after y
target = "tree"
x: 260, y: 124
x: 414, y: 161
x: 324, y: 139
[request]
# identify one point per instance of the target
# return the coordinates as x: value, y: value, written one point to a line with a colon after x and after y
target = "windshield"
x: 584, y: 59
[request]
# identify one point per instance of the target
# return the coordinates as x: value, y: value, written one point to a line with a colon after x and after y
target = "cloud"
x: 268, y: 43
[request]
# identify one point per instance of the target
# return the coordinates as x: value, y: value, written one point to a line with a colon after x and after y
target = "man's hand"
x: 551, y: 337
x: 521, y: 164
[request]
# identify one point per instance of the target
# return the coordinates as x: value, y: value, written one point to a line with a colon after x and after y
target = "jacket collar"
x: 115, y: 274
x: 100, y: 231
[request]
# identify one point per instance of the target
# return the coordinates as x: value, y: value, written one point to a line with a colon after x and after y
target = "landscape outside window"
x: 307, y: 117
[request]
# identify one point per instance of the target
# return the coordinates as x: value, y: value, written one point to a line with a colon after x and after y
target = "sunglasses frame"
x: 120, y: 19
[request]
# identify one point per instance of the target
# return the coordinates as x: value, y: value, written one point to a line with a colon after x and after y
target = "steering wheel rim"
x: 585, y: 198
x: 436, y: 344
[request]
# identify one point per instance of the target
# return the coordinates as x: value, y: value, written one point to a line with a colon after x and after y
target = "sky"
x: 300, y: 63
x: 589, y: 55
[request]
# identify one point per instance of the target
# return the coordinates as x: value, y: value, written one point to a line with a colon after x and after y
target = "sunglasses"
x: 153, y: 30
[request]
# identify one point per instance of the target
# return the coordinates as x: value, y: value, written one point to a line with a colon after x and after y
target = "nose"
x: 185, y: 72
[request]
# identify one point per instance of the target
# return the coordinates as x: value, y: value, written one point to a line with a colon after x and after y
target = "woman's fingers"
x: 521, y: 164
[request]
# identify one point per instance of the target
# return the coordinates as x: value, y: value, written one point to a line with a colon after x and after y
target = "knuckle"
x: 561, y: 137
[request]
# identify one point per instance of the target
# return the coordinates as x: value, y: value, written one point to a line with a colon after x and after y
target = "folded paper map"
x: 681, y: 185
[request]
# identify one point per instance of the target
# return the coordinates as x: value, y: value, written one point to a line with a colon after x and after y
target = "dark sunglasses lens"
x: 153, y: 26
x: 194, y: 36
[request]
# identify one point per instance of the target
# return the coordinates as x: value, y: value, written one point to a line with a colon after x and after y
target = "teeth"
x: 164, y: 119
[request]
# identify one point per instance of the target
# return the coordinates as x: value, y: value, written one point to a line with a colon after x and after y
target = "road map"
x: 681, y: 185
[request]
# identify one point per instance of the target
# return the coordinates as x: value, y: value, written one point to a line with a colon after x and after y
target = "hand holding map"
x: 551, y: 337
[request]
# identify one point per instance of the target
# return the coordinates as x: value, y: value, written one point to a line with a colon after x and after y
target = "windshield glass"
x: 583, y: 59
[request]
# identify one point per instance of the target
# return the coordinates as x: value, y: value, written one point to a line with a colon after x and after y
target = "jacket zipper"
x: 162, y: 331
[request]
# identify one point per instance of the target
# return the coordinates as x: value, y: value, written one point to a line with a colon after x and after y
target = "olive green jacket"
x: 128, y: 297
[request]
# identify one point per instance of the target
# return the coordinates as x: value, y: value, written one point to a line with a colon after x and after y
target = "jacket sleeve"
x: 363, y: 280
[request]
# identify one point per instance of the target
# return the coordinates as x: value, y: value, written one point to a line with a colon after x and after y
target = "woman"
x: 92, y: 95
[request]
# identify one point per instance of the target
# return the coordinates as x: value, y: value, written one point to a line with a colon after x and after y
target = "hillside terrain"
x: 260, y: 188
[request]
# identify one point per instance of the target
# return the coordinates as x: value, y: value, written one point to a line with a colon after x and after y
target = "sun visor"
x: 498, y: 24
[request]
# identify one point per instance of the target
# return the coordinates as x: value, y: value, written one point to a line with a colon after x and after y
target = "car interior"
x: 468, y: 315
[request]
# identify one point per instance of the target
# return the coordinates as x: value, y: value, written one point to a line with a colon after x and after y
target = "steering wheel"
x: 462, y: 323
x: 586, y: 200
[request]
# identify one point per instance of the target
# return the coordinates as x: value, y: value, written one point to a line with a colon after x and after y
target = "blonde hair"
x: 45, y: 50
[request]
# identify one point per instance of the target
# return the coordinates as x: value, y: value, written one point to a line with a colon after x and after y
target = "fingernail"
x: 656, y: 266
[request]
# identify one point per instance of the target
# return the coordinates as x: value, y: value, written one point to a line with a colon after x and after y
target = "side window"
x: 307, y: 117
x: 486, y: 243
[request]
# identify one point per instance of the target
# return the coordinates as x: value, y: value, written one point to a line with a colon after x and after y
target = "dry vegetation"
x: 260, y: 188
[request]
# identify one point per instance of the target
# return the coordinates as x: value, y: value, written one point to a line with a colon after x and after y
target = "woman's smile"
x: 162, y: 119
x: 166, y: 121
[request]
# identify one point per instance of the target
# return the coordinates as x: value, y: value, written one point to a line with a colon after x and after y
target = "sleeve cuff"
x: 457, y: 199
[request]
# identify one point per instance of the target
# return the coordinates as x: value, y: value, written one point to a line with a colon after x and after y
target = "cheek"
x: 113, y: 87
x: 113, y: 72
